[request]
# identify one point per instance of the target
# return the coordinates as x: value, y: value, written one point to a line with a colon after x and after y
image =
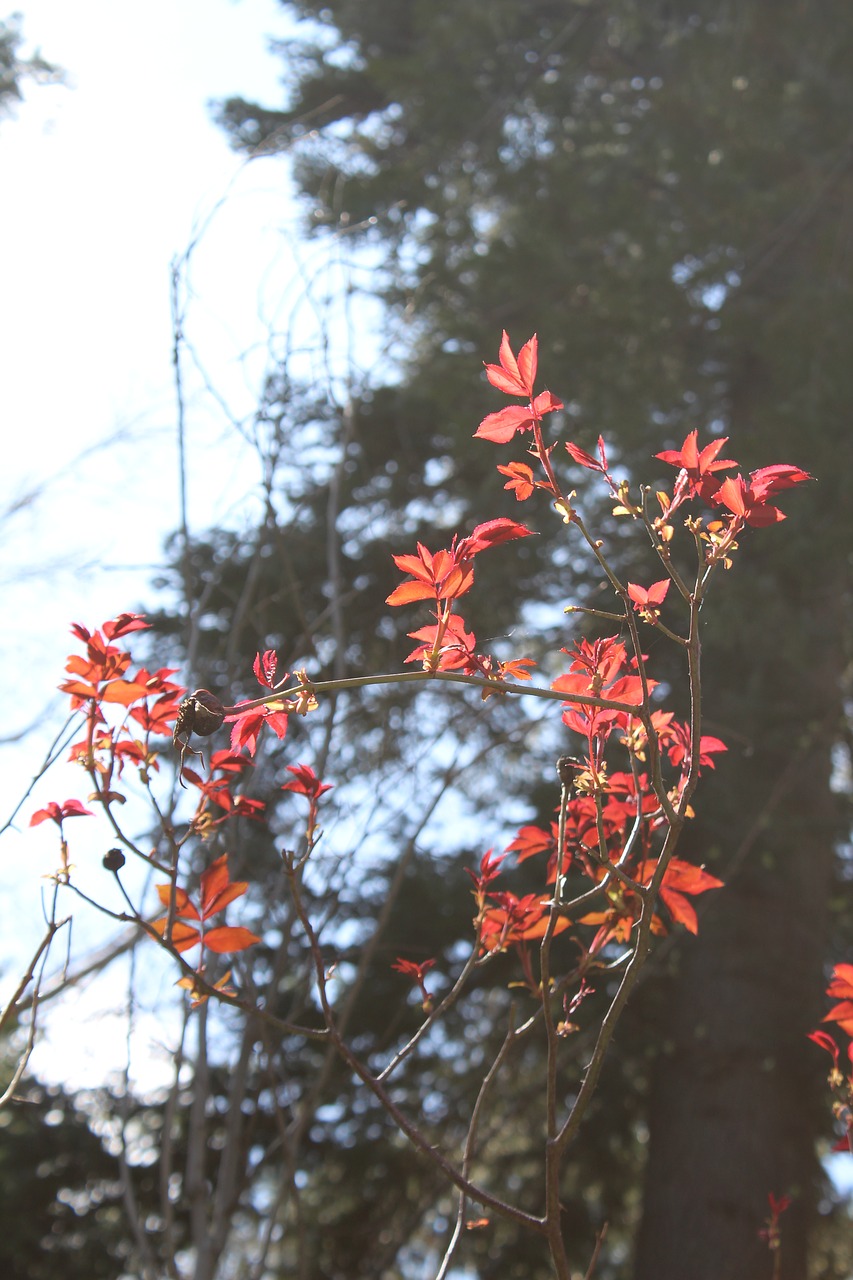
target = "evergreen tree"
x: 14, y: 70
x: 661, y: 190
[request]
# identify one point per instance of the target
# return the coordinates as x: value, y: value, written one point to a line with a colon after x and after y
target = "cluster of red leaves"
x: 614, y: 822
x: 216, y: 890
x: 225, y: 768
x: 125, y: 709
x: 248, y: 719
x: 101, y: 680
x: 248, y: 724
x: 701, y: 473
x: 841, y: 1014
x: 746, y: 500
x: 442, y: 577
x: 58, y: 812
x: 604, y: 809
x: 306, y: 783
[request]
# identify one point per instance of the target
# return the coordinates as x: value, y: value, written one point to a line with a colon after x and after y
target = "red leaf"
x: 217, y: 889
x: 825, y: 1041
x: 749, y: 504
x: 514, y: 377
x: 529, y: 841
x: 586, y: 459
x: 408, y: 592
x: 305, y: 782
x: 520, y: 479
x: 183, y: 906
x: 842, y: 981
x: 500, y: 427
x: 698, y: 468
x: 546, y: 403
x: 124, y: 692
x: 124, y: 624
x: 491, y: 534
x: 651, y: 598
x: 264, y: 668
x: 56, y: 812
x: 843, y: 1015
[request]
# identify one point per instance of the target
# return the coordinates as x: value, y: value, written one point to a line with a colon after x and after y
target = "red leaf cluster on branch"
x: 607, y: 876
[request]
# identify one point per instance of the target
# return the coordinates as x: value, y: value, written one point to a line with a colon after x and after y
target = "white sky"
x: 104, y: 182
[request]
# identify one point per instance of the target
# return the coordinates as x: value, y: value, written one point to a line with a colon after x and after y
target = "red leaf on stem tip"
x: 649, y: 600
x: 698, y: 467
x: 124, y: 624
x: 264, y: 668
x: 490, y: 869
x: 585, y: 459
x: 491, y: 534
x: 449, y: 573
x: 747, y: 502
x: 305, y: 782
x: 520, y: 479
x: 57, y: 812
x: 515, y: 377
x: 413, y: 970
x: 825, y: 1041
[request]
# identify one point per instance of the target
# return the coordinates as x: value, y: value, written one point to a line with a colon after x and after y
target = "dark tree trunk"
x: 730, y: 1108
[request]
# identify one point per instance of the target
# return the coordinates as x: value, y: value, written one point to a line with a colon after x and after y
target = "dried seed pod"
x: 114, y: 859
x: 201, y: 713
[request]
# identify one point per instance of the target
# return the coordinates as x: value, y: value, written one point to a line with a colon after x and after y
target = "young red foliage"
x: 305, y: 782
x: 647, y: 601
x: 680, y: 878
x: 515, y: 377
x: 58, y: 812
x: 841, y: 988
x: 697, y: 474
x: 417, y: 973
x: 247, y: 726
x: 585, y: 459
x: 216, y: 891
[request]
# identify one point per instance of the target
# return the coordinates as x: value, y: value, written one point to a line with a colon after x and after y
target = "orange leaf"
x: 230, y: 938
x: 183, y: 906
x: 538, y: 929
x: 184, y: 937
x: 407, y: 592
x: 124, y: 692
x: 217, y: 889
